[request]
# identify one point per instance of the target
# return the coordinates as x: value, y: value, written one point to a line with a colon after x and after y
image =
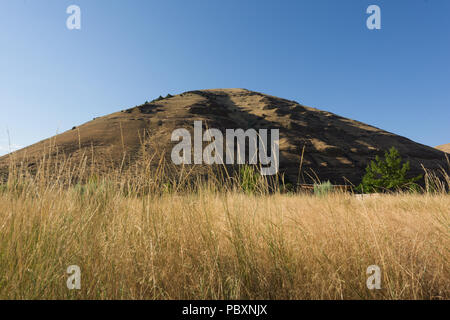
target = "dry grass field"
x: 215, y: 244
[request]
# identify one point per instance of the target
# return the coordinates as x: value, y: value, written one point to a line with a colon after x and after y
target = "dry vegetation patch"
x: 222, y: 246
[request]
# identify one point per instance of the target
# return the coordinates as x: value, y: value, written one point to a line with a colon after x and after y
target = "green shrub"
x: 248, y: 178
x: 388, y: 174
x: 157, y: 99
x: 287, y: 188
x: 322, y: 189
x: 162, y: 98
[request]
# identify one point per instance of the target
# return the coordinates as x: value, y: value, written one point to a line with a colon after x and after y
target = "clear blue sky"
x: 319, y: 53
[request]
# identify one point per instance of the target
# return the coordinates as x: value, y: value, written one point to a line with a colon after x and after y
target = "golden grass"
x: 229, y: 246
x: 144, y: 233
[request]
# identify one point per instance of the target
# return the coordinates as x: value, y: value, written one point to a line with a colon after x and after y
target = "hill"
x: 444, y: 147
x: 335, y: 148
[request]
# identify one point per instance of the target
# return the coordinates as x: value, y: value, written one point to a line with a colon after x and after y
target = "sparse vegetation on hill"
x: 161, y: 98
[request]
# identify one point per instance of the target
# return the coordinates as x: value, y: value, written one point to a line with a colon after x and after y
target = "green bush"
x: 388, y: 174
x: 158, y: 99
x: 162, y: 98
x: 248, y: 179
x: 322, y: 189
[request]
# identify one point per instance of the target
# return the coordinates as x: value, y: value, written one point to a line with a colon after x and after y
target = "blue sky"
x: 317, y: 52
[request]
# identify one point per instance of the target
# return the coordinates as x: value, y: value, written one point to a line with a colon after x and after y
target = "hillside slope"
x: 444, y: 147
x: 336, y: 148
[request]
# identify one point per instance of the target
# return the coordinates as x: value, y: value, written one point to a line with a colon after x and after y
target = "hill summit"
x: 333, y: 147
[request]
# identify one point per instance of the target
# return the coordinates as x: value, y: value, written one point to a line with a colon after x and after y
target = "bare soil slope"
x: 336, y: 148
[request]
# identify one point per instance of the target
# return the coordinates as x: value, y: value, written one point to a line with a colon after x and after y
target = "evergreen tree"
x: 388, y: 174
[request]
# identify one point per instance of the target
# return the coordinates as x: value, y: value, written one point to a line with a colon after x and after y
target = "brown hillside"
x: 336, y: 148
x: 444, y: 147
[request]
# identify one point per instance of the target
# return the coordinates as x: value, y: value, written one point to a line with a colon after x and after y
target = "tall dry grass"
x: 140, y: 233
